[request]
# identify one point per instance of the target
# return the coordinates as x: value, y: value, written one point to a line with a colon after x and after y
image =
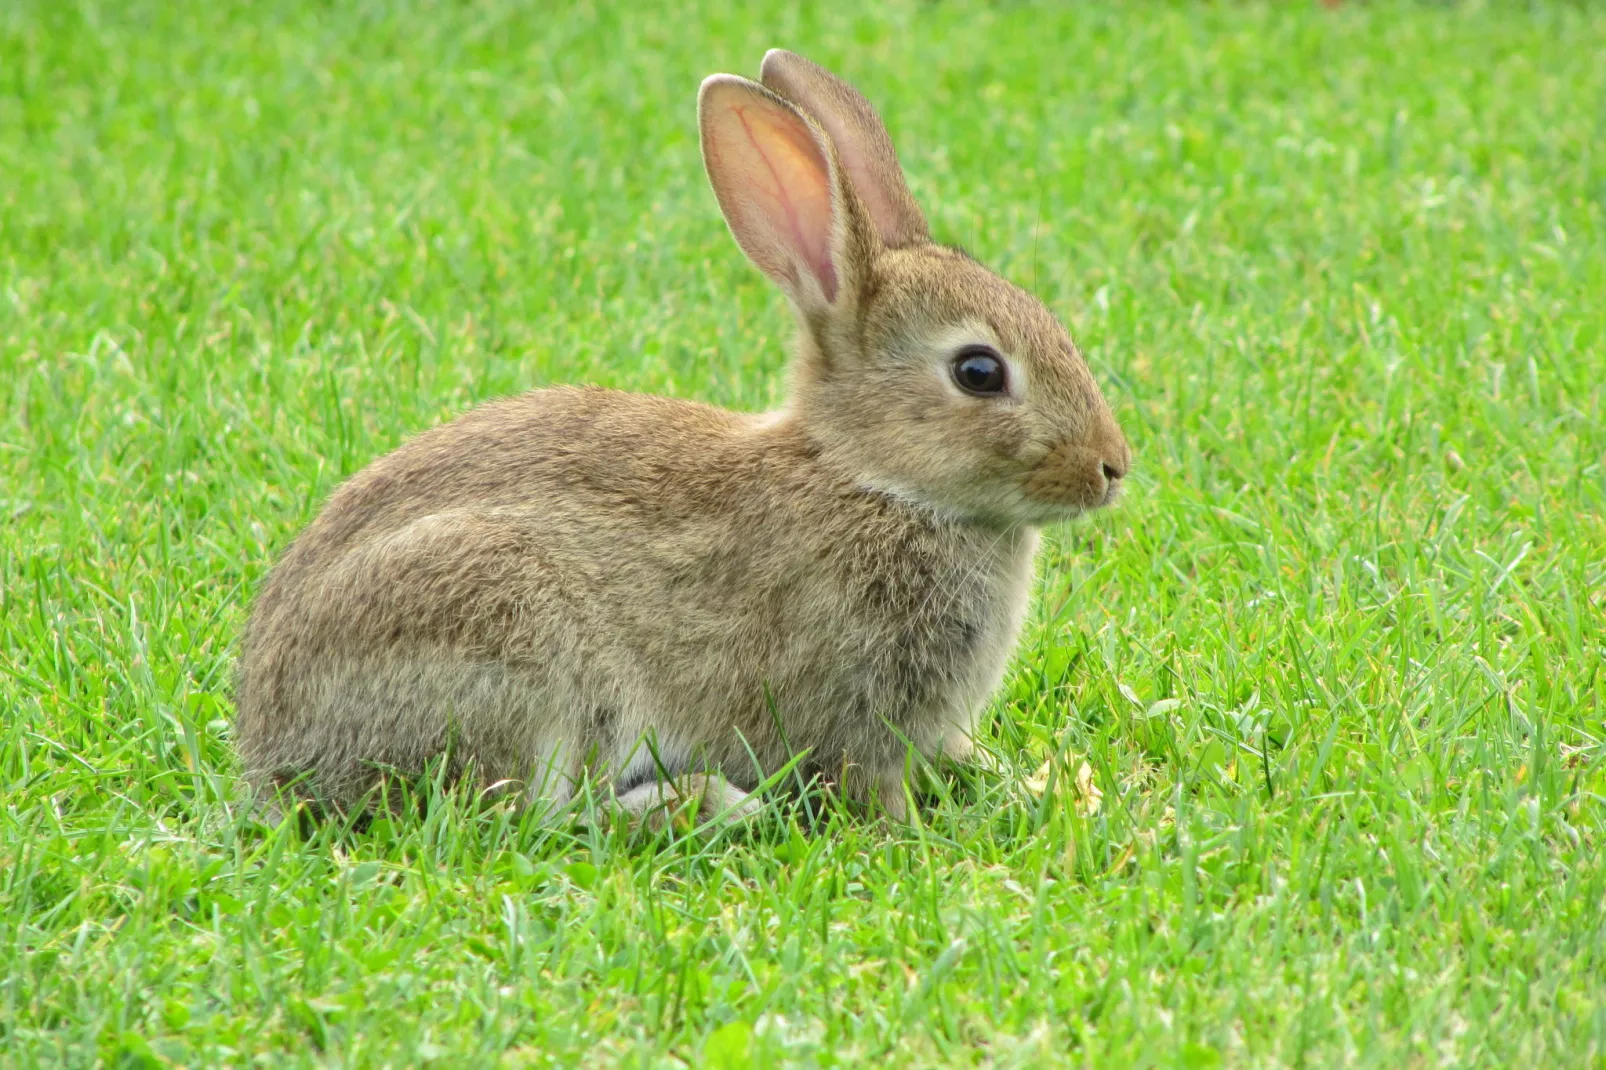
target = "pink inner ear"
x: 788, y: 179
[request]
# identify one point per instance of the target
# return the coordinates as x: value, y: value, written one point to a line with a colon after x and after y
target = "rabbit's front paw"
x: 689, y: 801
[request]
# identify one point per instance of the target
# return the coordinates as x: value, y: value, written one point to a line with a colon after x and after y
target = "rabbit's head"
x: 929, y: 376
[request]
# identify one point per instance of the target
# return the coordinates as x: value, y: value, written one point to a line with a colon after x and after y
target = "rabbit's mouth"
x: 1076, y: 479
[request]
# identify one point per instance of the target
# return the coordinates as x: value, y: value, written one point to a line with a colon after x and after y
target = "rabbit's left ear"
x: 779, y: 186
x: 861, y: 140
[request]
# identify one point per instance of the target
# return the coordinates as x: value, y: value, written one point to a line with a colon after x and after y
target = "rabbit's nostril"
x: 1111, y: 472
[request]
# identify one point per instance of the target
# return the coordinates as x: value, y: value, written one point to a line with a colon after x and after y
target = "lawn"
x: 1335, y: 666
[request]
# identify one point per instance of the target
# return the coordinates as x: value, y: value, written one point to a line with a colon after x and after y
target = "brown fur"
x: 540, y: 586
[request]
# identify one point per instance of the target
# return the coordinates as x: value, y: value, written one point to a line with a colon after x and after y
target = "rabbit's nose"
x: 1116, y: 455
x: 1072, y: 475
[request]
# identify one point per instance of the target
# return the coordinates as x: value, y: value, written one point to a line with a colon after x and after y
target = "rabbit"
x: 664, y: 599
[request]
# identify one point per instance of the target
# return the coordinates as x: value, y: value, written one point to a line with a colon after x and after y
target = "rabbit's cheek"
x: 1007, y: 436
x: 975, y: 440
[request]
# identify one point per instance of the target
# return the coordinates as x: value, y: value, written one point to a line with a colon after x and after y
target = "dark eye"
x: 979, y: 370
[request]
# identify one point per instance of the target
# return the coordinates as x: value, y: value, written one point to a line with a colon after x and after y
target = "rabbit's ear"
x: 777, y: 183
x: 861, y: 142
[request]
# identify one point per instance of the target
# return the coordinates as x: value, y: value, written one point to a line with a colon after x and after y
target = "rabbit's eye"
x: 979, y: 370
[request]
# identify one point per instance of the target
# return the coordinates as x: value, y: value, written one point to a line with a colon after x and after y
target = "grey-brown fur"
x: 542, y: 584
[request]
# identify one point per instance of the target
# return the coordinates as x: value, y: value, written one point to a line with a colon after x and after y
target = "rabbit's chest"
x: 915, y: 626
x: 934, y: 634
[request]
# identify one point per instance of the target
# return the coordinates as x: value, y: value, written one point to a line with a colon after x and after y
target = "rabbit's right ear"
x: 778, y: 185
x: 861, y: 141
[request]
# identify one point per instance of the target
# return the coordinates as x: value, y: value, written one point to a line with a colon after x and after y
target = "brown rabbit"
x: 670, y: 598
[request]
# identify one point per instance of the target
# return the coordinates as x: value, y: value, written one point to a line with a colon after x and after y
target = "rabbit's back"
x: 550, y: 578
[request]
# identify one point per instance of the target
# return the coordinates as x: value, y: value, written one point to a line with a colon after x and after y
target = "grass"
x: 1336, y: 664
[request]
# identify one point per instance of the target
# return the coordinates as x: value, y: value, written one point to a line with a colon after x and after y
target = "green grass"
x: 1336, y: 663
